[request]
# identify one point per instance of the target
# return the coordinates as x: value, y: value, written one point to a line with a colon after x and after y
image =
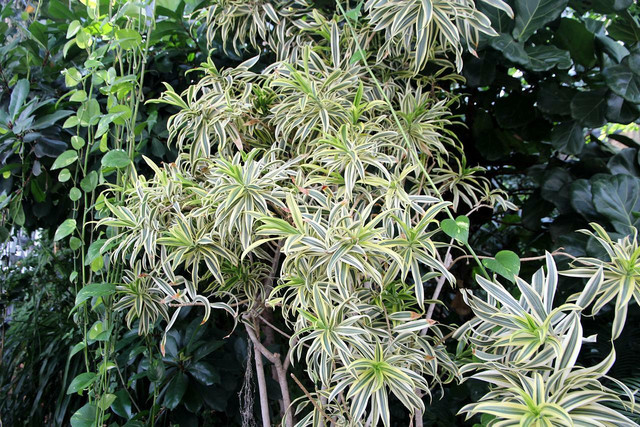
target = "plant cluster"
x: 308, y: 178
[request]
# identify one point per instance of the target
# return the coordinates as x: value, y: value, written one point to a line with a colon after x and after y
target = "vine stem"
x: 525, y: 259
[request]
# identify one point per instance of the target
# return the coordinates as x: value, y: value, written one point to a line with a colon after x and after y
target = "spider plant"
x: 620, y: 275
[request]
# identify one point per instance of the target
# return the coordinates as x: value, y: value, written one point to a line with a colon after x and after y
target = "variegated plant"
x: 525, y: 332
x: 527, y: 350
x: 620, y: 275
x: 314, y: 189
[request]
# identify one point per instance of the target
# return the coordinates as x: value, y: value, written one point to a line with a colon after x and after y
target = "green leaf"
x: 204, y: 373
x: 175, y: 391
x: 77, y: 142
x: 66, y: 228
x: 64, y: 175
x: 75, y: 243
x: 78, y: 96
x: 89, y: 182
x: 74, y: 27
x: 89, y: 113
x: 81, y: 382
x: 505, y: 263
x: 532, y: 15
x: 18, y: 97
x: 623, y: 81
x: 590, y: 108
x: 71, y: 122
x: 94, y: 290
x: 457, y: 229
x: 625, y: 29
x: 65, y: 159
x: 544, y: 58
x: 50, y: 119
x: 617, y: 198
x: 106, y: 400
x: 581, y: 199
x: 574, y: 36
x: 72, y: 77
x: 94, y: 251
x: 568, y: 137
x: 75, y: 194
x: 128, y: 38
x: 510, y: 48
x: 621, y: 111
x: 85, y: 416
x: 116, y: 159
x: 554, y: 99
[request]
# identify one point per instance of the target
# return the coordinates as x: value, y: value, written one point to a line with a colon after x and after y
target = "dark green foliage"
x: 36, y: 338
x: 534, y: 104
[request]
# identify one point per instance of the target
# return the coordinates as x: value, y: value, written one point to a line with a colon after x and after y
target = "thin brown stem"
x: 526, y: 259
x: 282, y: 378
x: 311, y: 399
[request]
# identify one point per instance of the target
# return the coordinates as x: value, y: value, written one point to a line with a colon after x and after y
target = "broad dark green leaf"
x: 617, y: 198
x: 480, y: 71
x: 625, y: 29
x: 581, y: 199
x: 18, y: 97
x: 568, y: 137
x: 555, y: 99
x: 544, y: 58
x: 175, y: 390
x: 600, y: 6
x: 510, y: 48
x: 204, y: 373
x: 532, y: 15
x: 578, y: 40
x: 590, y: 108
x: 555, y: 188
x: 625, y: 162
x: 623, y: 81
x: 620, y: 110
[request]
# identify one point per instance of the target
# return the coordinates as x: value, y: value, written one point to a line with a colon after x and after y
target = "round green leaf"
x: 89, y: 182
x: 457, y: 229
x: 94, y: 290
x: 65, y: 159
x: 506, y: 264
x: 128, y: 38
x: 64, y: 175
x: 116, y: 159
x: 75, y: 243
x: 75, y: 194
x: 77, y: 142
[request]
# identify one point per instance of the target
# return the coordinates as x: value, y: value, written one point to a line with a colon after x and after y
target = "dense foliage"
x: 315, y: 212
